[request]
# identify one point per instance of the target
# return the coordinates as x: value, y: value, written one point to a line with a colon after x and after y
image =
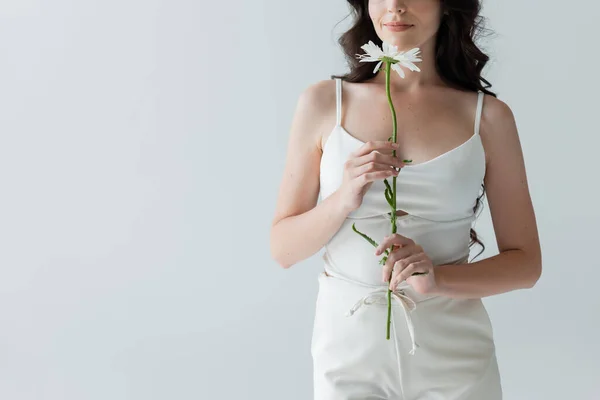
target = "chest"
x: 426, y: 126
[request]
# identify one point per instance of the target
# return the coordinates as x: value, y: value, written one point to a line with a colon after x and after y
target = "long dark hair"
x: 458, y: 60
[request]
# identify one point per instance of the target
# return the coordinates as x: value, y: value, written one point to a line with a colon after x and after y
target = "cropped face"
x: 405, y: 23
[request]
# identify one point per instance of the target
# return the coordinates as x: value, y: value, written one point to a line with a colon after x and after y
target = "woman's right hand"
x: 371, y: 162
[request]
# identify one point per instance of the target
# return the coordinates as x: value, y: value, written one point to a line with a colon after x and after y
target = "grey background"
x: 142, y: 145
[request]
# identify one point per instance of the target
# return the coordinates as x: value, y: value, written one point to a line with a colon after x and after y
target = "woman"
x: 458, y: 136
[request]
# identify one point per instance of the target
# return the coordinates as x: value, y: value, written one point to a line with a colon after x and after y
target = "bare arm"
x: 300, y: 227
x: 519, y: 263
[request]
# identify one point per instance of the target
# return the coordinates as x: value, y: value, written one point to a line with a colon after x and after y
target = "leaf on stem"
x: 367, y: 238
x: 389, y: 199
x: 374, y: 243
x: 387, y: 185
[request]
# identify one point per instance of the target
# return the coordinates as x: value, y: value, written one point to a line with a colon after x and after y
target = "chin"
x: 401, y: 43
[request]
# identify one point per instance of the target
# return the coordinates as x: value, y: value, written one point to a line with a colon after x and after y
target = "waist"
x: 350, y: 254
x: 331, y: 270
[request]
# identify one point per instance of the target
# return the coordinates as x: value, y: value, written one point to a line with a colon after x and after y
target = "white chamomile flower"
x: 390, y: 53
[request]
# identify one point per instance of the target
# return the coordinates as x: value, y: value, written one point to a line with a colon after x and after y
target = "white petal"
x: 385, y: 46
x: 389, y: 49
x: 397, y: 68
x: 377, y: 66
x: 372, y: 49
x: 366, y: 58
x: 410, y: 65
x: 412, y: 52
x: 410, y: 55
x: 393, y: 51
x: 372, y: 52
x: 408, y: 61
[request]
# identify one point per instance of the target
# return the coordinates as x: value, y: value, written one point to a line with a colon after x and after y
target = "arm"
x: 519, y: 263
x: 300, y: 227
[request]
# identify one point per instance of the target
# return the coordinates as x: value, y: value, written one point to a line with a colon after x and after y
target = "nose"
x: 397, y: 6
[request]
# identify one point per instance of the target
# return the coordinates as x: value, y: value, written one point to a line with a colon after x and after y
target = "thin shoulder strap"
x: 478, y: 112
x: 338, y: 101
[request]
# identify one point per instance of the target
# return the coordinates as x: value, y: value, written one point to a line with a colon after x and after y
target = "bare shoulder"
x: 496, y: 111
x: 319, y: 94
x: 498, y: 127
x: 315, y: 110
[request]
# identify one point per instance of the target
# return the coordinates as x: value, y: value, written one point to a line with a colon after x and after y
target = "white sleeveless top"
x: 439, y: 196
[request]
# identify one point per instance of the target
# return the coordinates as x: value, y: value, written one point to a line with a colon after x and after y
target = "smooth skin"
x: 433, y: 119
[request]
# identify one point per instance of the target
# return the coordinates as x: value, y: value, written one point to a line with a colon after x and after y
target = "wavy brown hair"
x: 458, y: 60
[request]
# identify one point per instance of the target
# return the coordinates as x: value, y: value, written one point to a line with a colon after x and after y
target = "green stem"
x: 393, y: 219
x: 392, y: 203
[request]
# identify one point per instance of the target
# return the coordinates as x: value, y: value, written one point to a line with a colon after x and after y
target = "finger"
x: 378, y: 157
x: 371, y: 162
x: 395, y: 239
x: 372, y: 166
x: 417, y: 267
x: 379, y: 145
x: 400, y: 265
x: 375, y: 176
x: 393, y: 258
x: 392, y: 161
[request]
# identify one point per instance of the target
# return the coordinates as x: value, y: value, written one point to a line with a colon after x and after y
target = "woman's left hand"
x: 405, y: 259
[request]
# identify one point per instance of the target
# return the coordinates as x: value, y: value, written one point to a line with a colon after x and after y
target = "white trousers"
x: 439, y: 348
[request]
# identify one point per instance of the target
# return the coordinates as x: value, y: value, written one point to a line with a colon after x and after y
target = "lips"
x: 397, y: 24
x: 397, y: 27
